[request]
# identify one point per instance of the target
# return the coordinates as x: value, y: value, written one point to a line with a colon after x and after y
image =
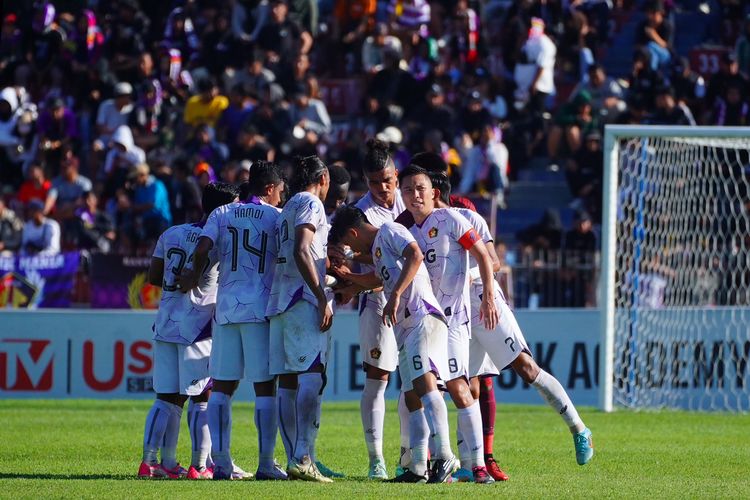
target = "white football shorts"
x: 240, y: 352
x: 180, y: 368
x: 424, y: 351
x: 458, y: 353
x: 377, y: 342
x: 296, y: 340
x: 504, y: 343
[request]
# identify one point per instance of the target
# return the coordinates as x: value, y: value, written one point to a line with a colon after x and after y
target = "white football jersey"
x: 288, y: 285
x: 244, y: 235
x: 482, y: 229
x: 418, y: 300
x: 184, y: 318
x: 377, y: 216
x: 445, y: 237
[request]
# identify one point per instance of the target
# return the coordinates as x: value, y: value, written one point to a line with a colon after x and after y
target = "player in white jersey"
x: 182, y: 344
x: 339, y: 190
x: 301, y: 315
x: 420, y: 330
x: 382, y: 203
x: 447, y: 239
x: 505, y: 345
x: 243, y: 235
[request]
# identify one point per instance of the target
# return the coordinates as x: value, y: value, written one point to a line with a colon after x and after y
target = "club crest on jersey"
x: 432, y: 233
x: 375, y: 353
x: 378, y: 253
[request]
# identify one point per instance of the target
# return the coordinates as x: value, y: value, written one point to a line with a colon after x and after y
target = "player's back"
x: 244, y: 237
x: 288, y: 285
x: 183, y: 317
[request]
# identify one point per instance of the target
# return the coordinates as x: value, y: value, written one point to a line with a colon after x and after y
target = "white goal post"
x: 675, y: 275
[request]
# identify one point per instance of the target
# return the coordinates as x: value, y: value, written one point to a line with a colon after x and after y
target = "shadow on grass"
x: 67, y: 477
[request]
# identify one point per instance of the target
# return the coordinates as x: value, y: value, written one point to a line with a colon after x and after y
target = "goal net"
x: 676, y: 268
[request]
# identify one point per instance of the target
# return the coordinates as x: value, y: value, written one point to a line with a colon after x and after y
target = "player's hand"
x: 338, y: 255
x: 186, y: 281
x: 488, y: 312
x: 389, y: 311
x: 325, y: 315
x: 346, y: 293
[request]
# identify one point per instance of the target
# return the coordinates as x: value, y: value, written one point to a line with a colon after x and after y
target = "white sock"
x: 462, y: 446
x: 307, y: 411
x: 372, y: 408
x: 312, y: 439
x: 470, y: 423
x: 171, y: 436
x: 288, y: 419
x: 419, y: 432
x: 555, y: 396
x: 220, y: 427
x: 266, y: 422
x: 199, y: 433
x: 403, y: 420
x: 437, y: 419
x: 153, y: 434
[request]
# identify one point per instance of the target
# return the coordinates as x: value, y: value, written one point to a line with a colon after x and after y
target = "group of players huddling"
x: 248, y: 294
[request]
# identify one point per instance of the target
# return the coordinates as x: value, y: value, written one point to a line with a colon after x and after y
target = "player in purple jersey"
x: 301, y: 314
x: 182, y: 343
x: 447, y: 240
x: 420, y: 329
x: 243, y: 234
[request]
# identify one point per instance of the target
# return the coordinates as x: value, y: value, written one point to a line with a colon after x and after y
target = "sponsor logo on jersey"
x: 378, y: 253
x: 375, y: 353
x: 432, y: 233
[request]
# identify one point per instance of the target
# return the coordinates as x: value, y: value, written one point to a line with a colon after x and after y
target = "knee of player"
x: 526, y: 368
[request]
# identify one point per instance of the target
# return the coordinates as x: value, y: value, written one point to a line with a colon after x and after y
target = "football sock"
x: 488, y: 408
x: 171, y: 435
x: 419, y: 432
x: 314, y: 429
x: 403, y: 420
x: 463, y: 447
x: 266, y: 422
x: 220, y: 427
x: 437, y: 419
x: 288, y: 419
x: 555, y: 396
x: 307, y: 402
x: 153, y: 434
x: 372, y: 408
x: 470, y: 424
x: 199, y: 433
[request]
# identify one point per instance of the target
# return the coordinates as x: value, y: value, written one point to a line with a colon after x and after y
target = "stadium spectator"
x: 35, y: 187
x: 655, y: 34
x: 206, y: 106
x: 731, y: 109
x: 534, y: 73
x: 728, y: 74
x: 11, y: 230
x: 584, y: 174
x: 689, y: 87
x: 113, y: 113
x: 486, y: 168
x: 375, y: 46
x: 41, y: 235
x: 742, y: 48
x: 57, y: 129
x: 311, y: 117
x: 67, y: 189
x: 93, y: 229
x: 282, y: 38
x: 150, y: 213
x: 121, y: 156
x: 544, y: 235
x: 669, y: 111
x: 607, y: 96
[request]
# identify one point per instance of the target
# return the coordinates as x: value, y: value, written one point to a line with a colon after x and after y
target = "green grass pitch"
x: 53, y: 449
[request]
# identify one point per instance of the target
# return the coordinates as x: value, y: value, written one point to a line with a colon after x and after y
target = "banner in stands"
x: 108, y: 354
x: 121, y: 282
x: 29, y: 282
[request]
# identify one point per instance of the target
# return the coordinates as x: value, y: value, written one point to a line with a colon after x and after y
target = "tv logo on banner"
x: 26, y: 365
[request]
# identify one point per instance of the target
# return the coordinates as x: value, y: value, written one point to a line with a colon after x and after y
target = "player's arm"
x: 156, y: 271
x: 303, y: 238
x: 413, y: 258
x: 493, y: 255
x: 488, y: 311
x: 190, y: 278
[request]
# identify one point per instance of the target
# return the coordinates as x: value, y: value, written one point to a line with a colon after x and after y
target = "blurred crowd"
x: 115, y: 113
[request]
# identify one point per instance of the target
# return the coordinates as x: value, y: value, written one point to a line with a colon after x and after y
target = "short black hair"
x: 430, y: 161
x: 377, y: 156
x: 440, y: 181
x: 339, y: 175
x: 411, y: 171
x: 345, y: 218
x: 263, y: 173
x: 217, y: 194
x: 307, y: 171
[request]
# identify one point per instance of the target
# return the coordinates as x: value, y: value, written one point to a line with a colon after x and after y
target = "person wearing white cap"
x: 113, y: 113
